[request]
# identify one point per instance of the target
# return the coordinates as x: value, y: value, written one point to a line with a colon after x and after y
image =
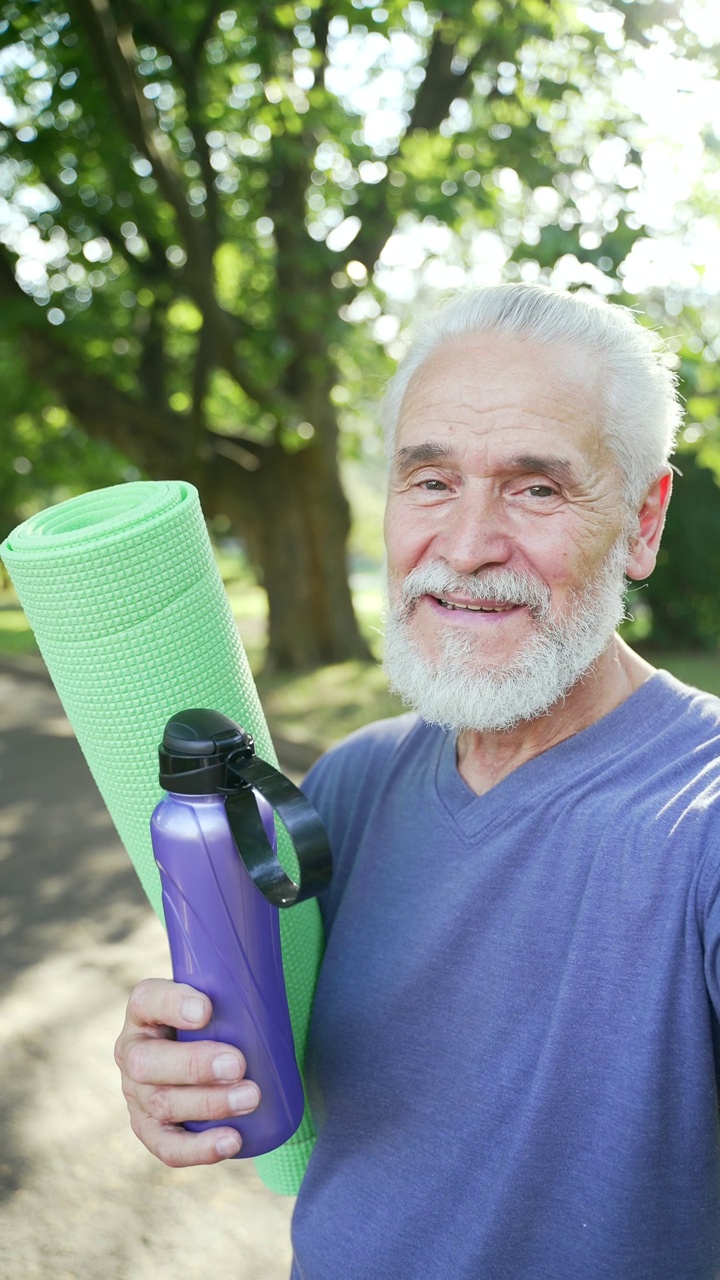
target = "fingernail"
x: 192, y: 1009
x: 227, y: 1146
x: 227, y: 1067
x: 244, y: 1098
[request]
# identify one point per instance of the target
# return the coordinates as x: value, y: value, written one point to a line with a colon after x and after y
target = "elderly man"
x: 512, y: 1062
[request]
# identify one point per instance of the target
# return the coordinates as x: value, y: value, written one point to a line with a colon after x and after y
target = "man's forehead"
x: 519, y: 398
x: 494, y: 366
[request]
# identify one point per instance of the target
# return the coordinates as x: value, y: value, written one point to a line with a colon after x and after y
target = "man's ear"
x: 651, y: 520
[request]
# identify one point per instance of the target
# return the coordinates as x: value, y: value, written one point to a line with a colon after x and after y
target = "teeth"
x: 474, y: 608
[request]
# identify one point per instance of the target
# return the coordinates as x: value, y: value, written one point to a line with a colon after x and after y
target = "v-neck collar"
x: 582, y: 753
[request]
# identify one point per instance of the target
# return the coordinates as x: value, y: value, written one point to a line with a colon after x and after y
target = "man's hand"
x: 167, y: 1081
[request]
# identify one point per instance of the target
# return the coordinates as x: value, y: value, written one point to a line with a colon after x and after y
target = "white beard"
x: 455, y: 690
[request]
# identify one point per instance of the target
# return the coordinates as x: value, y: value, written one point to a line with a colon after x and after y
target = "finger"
x: 180, y: 1149
x: 186, y: 1062
x: 174, y: 1106
x: 158, y: 1002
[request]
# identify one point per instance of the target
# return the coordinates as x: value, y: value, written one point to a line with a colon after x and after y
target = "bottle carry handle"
x: 256, y: 851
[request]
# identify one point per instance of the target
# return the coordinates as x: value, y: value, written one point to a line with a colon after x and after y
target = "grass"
x: 699, y: 669
x: 320, y: 707
x: 325, y: 705
x: 16, y: 638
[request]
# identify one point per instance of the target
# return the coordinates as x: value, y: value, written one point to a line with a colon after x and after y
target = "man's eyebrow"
x: 548, y: 465
x: 432, y: 451
x: 419, y: 455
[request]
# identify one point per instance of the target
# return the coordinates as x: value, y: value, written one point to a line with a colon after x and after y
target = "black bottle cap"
x: 196, y: 749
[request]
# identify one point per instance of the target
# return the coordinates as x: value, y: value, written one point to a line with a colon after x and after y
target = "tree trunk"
x: 297, y: 529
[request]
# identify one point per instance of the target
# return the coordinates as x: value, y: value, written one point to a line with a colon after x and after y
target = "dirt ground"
x: 80, y: 1198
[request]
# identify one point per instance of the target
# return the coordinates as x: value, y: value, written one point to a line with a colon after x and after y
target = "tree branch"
x: 244, y: 455
x: 213, y: 8
x: 151, y: 435
x: 156, y: 30
x: 320, y: 27
x: 115, y: 51
x: 152, y: 370
x: 438, y: 90
x: 151, y: 268
x: 186, y: 67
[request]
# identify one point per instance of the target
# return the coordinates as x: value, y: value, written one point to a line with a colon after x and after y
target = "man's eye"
x: 433, y: 486
x: 541, y: 491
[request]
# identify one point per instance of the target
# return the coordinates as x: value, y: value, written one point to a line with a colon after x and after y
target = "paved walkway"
x: 80, y: 1198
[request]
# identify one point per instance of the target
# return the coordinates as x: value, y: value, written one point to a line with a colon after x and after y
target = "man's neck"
x: 485, y: 758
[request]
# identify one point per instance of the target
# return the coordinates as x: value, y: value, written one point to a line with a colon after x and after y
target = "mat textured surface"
x: 121, y: 589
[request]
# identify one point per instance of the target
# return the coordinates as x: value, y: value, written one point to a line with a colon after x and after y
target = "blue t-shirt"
x: 513, y: 1054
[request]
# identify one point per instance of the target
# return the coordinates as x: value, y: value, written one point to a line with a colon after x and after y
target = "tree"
x: 681, y: 602
x: 682, y: 593
x: 196, y: 199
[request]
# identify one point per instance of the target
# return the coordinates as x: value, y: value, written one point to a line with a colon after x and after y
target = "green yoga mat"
x: 130, y: 614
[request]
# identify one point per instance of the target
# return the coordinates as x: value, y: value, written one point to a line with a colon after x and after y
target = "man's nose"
x: 477, y: 532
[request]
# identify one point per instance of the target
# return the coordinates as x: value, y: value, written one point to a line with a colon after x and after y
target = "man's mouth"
x: 475, y: 608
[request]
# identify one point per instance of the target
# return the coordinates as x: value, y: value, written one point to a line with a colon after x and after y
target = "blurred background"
x: 216, y: 226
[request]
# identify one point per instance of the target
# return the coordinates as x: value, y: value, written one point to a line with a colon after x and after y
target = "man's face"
x: 505, y: 508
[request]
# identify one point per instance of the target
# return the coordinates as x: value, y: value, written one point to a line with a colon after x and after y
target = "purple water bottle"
x: 214, y: 842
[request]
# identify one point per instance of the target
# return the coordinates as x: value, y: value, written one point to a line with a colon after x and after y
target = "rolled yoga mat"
x: 121, y: 589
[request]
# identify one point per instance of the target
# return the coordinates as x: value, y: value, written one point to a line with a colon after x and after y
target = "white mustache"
x: 502, y: 586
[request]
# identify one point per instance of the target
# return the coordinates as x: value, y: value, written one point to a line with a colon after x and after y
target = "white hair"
x: 640, y: 411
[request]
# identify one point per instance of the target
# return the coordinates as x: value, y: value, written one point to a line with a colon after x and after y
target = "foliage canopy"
x: 206, y: 217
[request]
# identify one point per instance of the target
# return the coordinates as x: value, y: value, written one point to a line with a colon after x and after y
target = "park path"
x: 80, y: 1198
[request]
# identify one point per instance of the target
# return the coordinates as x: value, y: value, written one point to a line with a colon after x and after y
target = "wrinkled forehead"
x: 490, y: 363
x: 526, y: 394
